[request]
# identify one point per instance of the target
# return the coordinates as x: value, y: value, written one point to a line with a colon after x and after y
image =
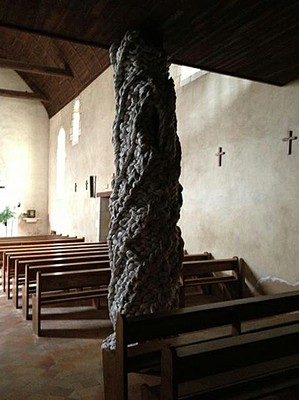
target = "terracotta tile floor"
x: 66, y: 365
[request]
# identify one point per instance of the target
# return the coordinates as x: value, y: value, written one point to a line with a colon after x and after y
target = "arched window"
x: 60, y: 165
x: 76, y: 123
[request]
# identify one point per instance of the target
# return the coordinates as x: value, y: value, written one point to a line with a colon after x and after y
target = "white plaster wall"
x: 24, y: 133
x: 77, y: 213
x: 249, y: 206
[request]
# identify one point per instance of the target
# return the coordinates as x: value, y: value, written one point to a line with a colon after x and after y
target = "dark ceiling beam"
x: 52, y: 35
x: 234, y: 75
x: 23, y: 95
x: 35, y: 69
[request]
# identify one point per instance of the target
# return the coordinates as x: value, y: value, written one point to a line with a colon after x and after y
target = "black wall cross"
x: 290, y: 139
x: 219, y: 155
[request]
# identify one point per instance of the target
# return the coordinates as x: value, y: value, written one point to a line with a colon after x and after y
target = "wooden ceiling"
x: 61, y: 45
x: 67, y: 68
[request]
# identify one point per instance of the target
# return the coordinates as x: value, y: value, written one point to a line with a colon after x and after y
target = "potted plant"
x: 5, y: 216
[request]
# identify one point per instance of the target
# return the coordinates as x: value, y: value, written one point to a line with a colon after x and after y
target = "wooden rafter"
x: 53, y: 35
x: 34, y: 68
x: 23, y: 95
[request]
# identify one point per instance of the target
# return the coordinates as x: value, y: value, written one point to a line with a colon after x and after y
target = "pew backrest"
x: 150, y: 327
x: 53, y: 281
x: 31, y: 269
x: 62, y: 260
x: 140, y: 329
x: 19, y: 267
x: 22, y: 238
x: 210, y: 271
x: 42, y: 248
x: 197, y: 257
x: 41, y: 241
x: 54, y: 254
x: 60, y: 241
x: 90, y: 281
x: 57, y: 241
x: 228, y: 362
x: 198, y: 267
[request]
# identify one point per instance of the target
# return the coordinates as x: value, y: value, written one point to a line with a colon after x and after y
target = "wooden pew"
x: 35, y: 242
x: 20, y: 263
x: 244, y: 367
x: 9, y: 244
x: 11, y: 257
x: 11, y: 252
x: 153, y: 332
x: 13, y: 260
x: 197, y: 256
x: 31, y: 270
x: 210, y: 272
x: 42, y: 247
x: 90, y: 283
x: 31, y: 267
x: 61, y: 240
x: 26, y: 237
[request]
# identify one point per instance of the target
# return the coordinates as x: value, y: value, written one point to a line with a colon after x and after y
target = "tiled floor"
x: 66, y: 365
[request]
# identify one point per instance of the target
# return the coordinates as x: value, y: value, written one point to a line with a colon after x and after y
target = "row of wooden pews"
x: 59, y: 272
x: 32, y: 242
x: 224, y: 350
x: 48, y: 270
x: 193, y: 360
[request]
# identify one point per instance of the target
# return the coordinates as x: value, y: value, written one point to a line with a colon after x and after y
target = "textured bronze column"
x: 146, y: 248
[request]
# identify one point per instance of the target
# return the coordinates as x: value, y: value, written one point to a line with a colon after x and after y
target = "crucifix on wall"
x: 220, y: 154
x: 290, y: 139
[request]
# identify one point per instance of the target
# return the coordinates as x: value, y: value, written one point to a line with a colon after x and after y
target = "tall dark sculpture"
x: 146, y: 248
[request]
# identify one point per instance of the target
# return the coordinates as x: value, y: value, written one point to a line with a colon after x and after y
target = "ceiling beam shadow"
x: 23, y: 95
x: 35, y: 69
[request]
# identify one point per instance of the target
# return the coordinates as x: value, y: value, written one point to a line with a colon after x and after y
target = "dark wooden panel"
x: 209, y: 315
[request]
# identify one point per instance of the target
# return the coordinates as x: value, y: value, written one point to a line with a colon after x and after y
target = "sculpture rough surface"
x: 145, y: 244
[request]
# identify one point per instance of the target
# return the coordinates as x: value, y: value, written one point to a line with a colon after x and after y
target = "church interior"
x: 149, y: 191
